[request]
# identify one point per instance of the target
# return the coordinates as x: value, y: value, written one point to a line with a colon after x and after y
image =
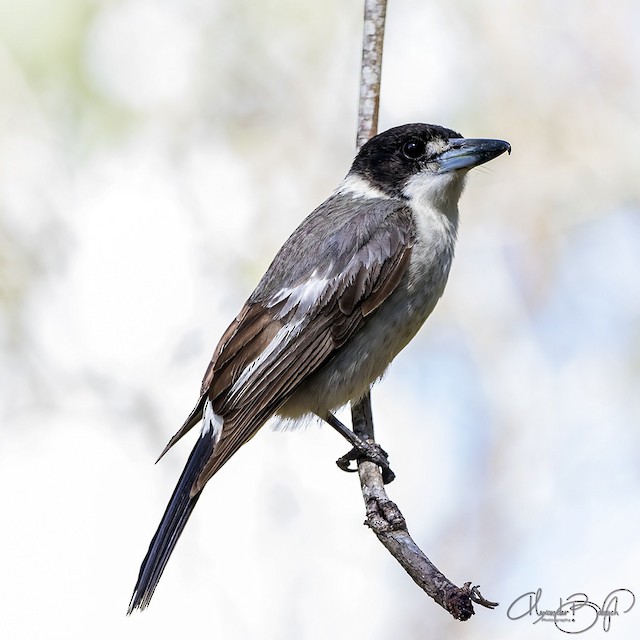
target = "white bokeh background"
x: 154, y: 154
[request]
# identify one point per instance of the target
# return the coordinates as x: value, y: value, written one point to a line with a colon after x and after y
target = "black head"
x: 390, y: 159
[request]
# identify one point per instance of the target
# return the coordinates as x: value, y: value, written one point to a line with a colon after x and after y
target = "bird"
x: 344, y: 295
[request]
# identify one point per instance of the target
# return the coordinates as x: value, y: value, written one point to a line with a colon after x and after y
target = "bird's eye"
x: 413, y: 150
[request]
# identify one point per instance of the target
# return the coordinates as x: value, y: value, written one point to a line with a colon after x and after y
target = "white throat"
x: 437, y: 193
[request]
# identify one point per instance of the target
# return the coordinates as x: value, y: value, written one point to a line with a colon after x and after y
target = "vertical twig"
x: 383, y: 515
x: 375, y: 12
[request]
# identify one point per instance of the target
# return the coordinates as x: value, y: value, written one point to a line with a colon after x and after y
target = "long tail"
x: 173, y: 522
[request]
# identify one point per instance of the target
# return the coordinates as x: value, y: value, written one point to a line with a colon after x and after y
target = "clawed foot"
x: 362, y: 450
x: 371, y: 452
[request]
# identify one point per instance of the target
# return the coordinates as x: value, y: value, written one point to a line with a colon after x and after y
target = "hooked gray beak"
x: 466, y: 153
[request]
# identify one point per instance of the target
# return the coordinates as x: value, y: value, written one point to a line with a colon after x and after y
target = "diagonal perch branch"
x: 387, y: 522
x: 383, y: 515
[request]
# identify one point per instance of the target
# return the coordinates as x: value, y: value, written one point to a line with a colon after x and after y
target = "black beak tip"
x: 501, y: 146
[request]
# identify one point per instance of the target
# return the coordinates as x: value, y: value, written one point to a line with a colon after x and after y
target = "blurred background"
x: 154, y: 154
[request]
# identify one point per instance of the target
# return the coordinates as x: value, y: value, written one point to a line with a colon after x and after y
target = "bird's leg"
x: 362, y: 450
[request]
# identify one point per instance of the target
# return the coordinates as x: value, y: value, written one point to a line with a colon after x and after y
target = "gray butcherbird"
x: 343, y: 296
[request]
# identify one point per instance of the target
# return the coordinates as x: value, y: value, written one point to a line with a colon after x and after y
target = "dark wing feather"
x: 271, y: 392
x: 241, y: 343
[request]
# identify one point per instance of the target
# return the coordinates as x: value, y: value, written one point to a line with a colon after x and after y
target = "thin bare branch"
x: 383, y: 515
x: 371, y: 68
